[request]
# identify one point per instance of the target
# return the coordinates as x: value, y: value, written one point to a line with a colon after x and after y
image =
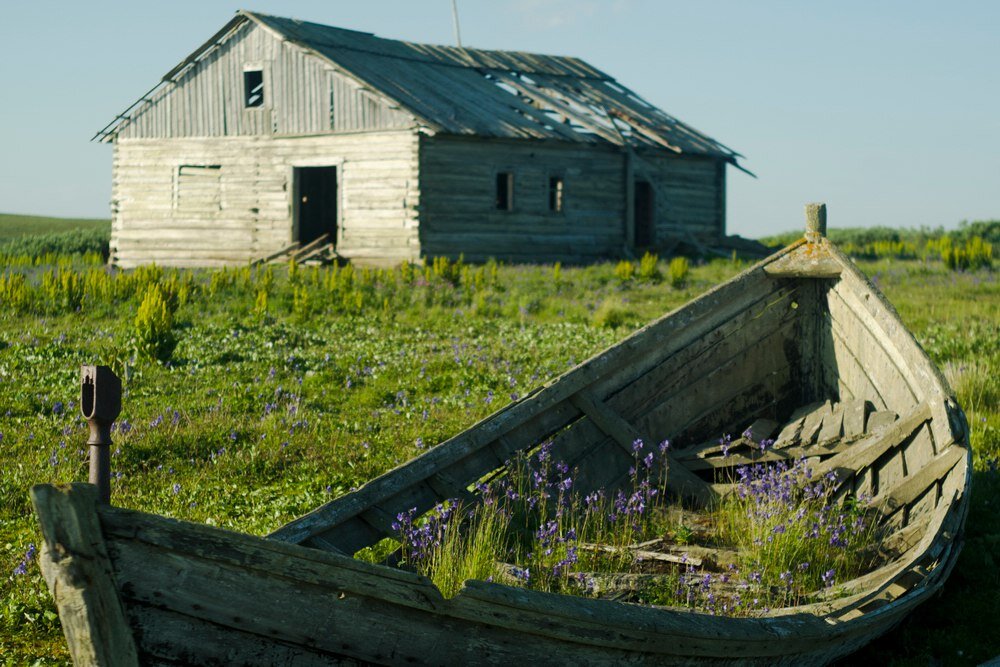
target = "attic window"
x: 556, y: 189
x: 505, y: 191
x: 253, y: 88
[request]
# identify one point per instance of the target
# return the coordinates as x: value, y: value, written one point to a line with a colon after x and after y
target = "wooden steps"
x: 318, y: 251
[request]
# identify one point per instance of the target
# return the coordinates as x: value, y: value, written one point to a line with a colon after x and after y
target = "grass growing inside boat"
x: 533, y: 529
x: 792, y: 534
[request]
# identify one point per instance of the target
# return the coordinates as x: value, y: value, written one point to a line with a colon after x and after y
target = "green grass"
x: 13, y: 225
x: 263, y: 413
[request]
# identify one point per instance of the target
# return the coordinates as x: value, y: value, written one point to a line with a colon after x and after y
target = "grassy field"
x: 282, y: 392
x: 13, y: 225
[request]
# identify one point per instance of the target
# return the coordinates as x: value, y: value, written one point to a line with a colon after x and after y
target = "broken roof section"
x: 458, y: 90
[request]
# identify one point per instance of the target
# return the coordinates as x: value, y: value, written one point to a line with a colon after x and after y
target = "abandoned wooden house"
x: 278, y: 132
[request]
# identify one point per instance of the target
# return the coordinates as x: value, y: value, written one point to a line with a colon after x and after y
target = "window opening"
x: 556, y: 190
x: 505, y: 191
x: 253, y: 88
x: 199, y: 188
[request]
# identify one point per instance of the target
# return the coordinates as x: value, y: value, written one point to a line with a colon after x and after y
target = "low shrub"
x: 624, y: 271
x: 649, y: 268
x: 153, y: 327
x: 678, y: 270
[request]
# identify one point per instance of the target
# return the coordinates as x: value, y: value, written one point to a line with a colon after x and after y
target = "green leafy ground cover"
x: 280, y: 394
x: 30, y: 238
x: 15, y: 225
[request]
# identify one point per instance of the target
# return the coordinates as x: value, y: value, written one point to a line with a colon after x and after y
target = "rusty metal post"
x: 100, y: 403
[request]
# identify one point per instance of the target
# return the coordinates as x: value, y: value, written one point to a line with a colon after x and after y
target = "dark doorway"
x: 316, y: 203
x: 645, y: 214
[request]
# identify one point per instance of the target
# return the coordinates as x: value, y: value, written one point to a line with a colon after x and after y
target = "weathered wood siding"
x: 458, y: 200
x: 690, y: 195
x: 377, y: 183
x: 207, y: 100
x: 458, y: 197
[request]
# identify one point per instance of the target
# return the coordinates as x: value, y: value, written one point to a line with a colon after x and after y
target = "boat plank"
x: 813, y: 422
x: 789, y: 434
x: 175, y: 638
x: 680, y: 480
x: 875, y: 350
x: 855, y: 417
x: 628, y: 625
x: 769, y: 395
x: 833, y: 425
x: 704, y: 385
x: 918, y: 483
x: 880, y: 316
x: 881, y: 419
x: 75, y: 562
x: 705, y: 354
x: 868, y: 451
x: 771, y: 455
x: 851, y: 371
x: 323, y: 616
x: 310, y: 565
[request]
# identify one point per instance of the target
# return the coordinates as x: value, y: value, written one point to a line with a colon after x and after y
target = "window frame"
x: 252, y: 68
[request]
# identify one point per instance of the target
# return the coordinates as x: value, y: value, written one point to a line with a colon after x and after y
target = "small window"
x: 199, y: 188
x: 253, y: 88
x: 505, y: 191
x: 556, y: 188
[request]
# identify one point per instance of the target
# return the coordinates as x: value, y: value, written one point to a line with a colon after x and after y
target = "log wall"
x: 458, y: 199
x: 377, y: 183
x: 690, y: 195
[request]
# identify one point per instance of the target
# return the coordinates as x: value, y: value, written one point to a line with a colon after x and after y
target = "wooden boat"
x: 801, y: 338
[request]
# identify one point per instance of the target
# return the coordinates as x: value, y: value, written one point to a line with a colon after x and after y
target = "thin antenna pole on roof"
x: 458, y: 30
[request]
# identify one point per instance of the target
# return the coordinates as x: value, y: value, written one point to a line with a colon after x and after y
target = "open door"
x: 316, y: 203
x: 645, y: 214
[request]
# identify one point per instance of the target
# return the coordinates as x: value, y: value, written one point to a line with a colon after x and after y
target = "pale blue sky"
x: 888, y: 111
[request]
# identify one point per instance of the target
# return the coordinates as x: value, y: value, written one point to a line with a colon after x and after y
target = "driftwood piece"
x: 77, y: 569
x: 642, y: 554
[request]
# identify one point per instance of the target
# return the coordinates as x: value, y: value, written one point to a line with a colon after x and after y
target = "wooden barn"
x: 278, y: 132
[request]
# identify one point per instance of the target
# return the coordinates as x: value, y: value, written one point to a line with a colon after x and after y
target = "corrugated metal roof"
x: 487, y: 93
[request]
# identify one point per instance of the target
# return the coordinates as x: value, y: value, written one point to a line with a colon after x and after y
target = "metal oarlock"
x: 100, y: 403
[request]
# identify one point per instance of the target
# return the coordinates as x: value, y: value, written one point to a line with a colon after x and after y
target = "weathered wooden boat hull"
x: 800, y: 327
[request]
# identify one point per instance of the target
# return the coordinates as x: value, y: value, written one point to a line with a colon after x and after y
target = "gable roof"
x: 481, y: 92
